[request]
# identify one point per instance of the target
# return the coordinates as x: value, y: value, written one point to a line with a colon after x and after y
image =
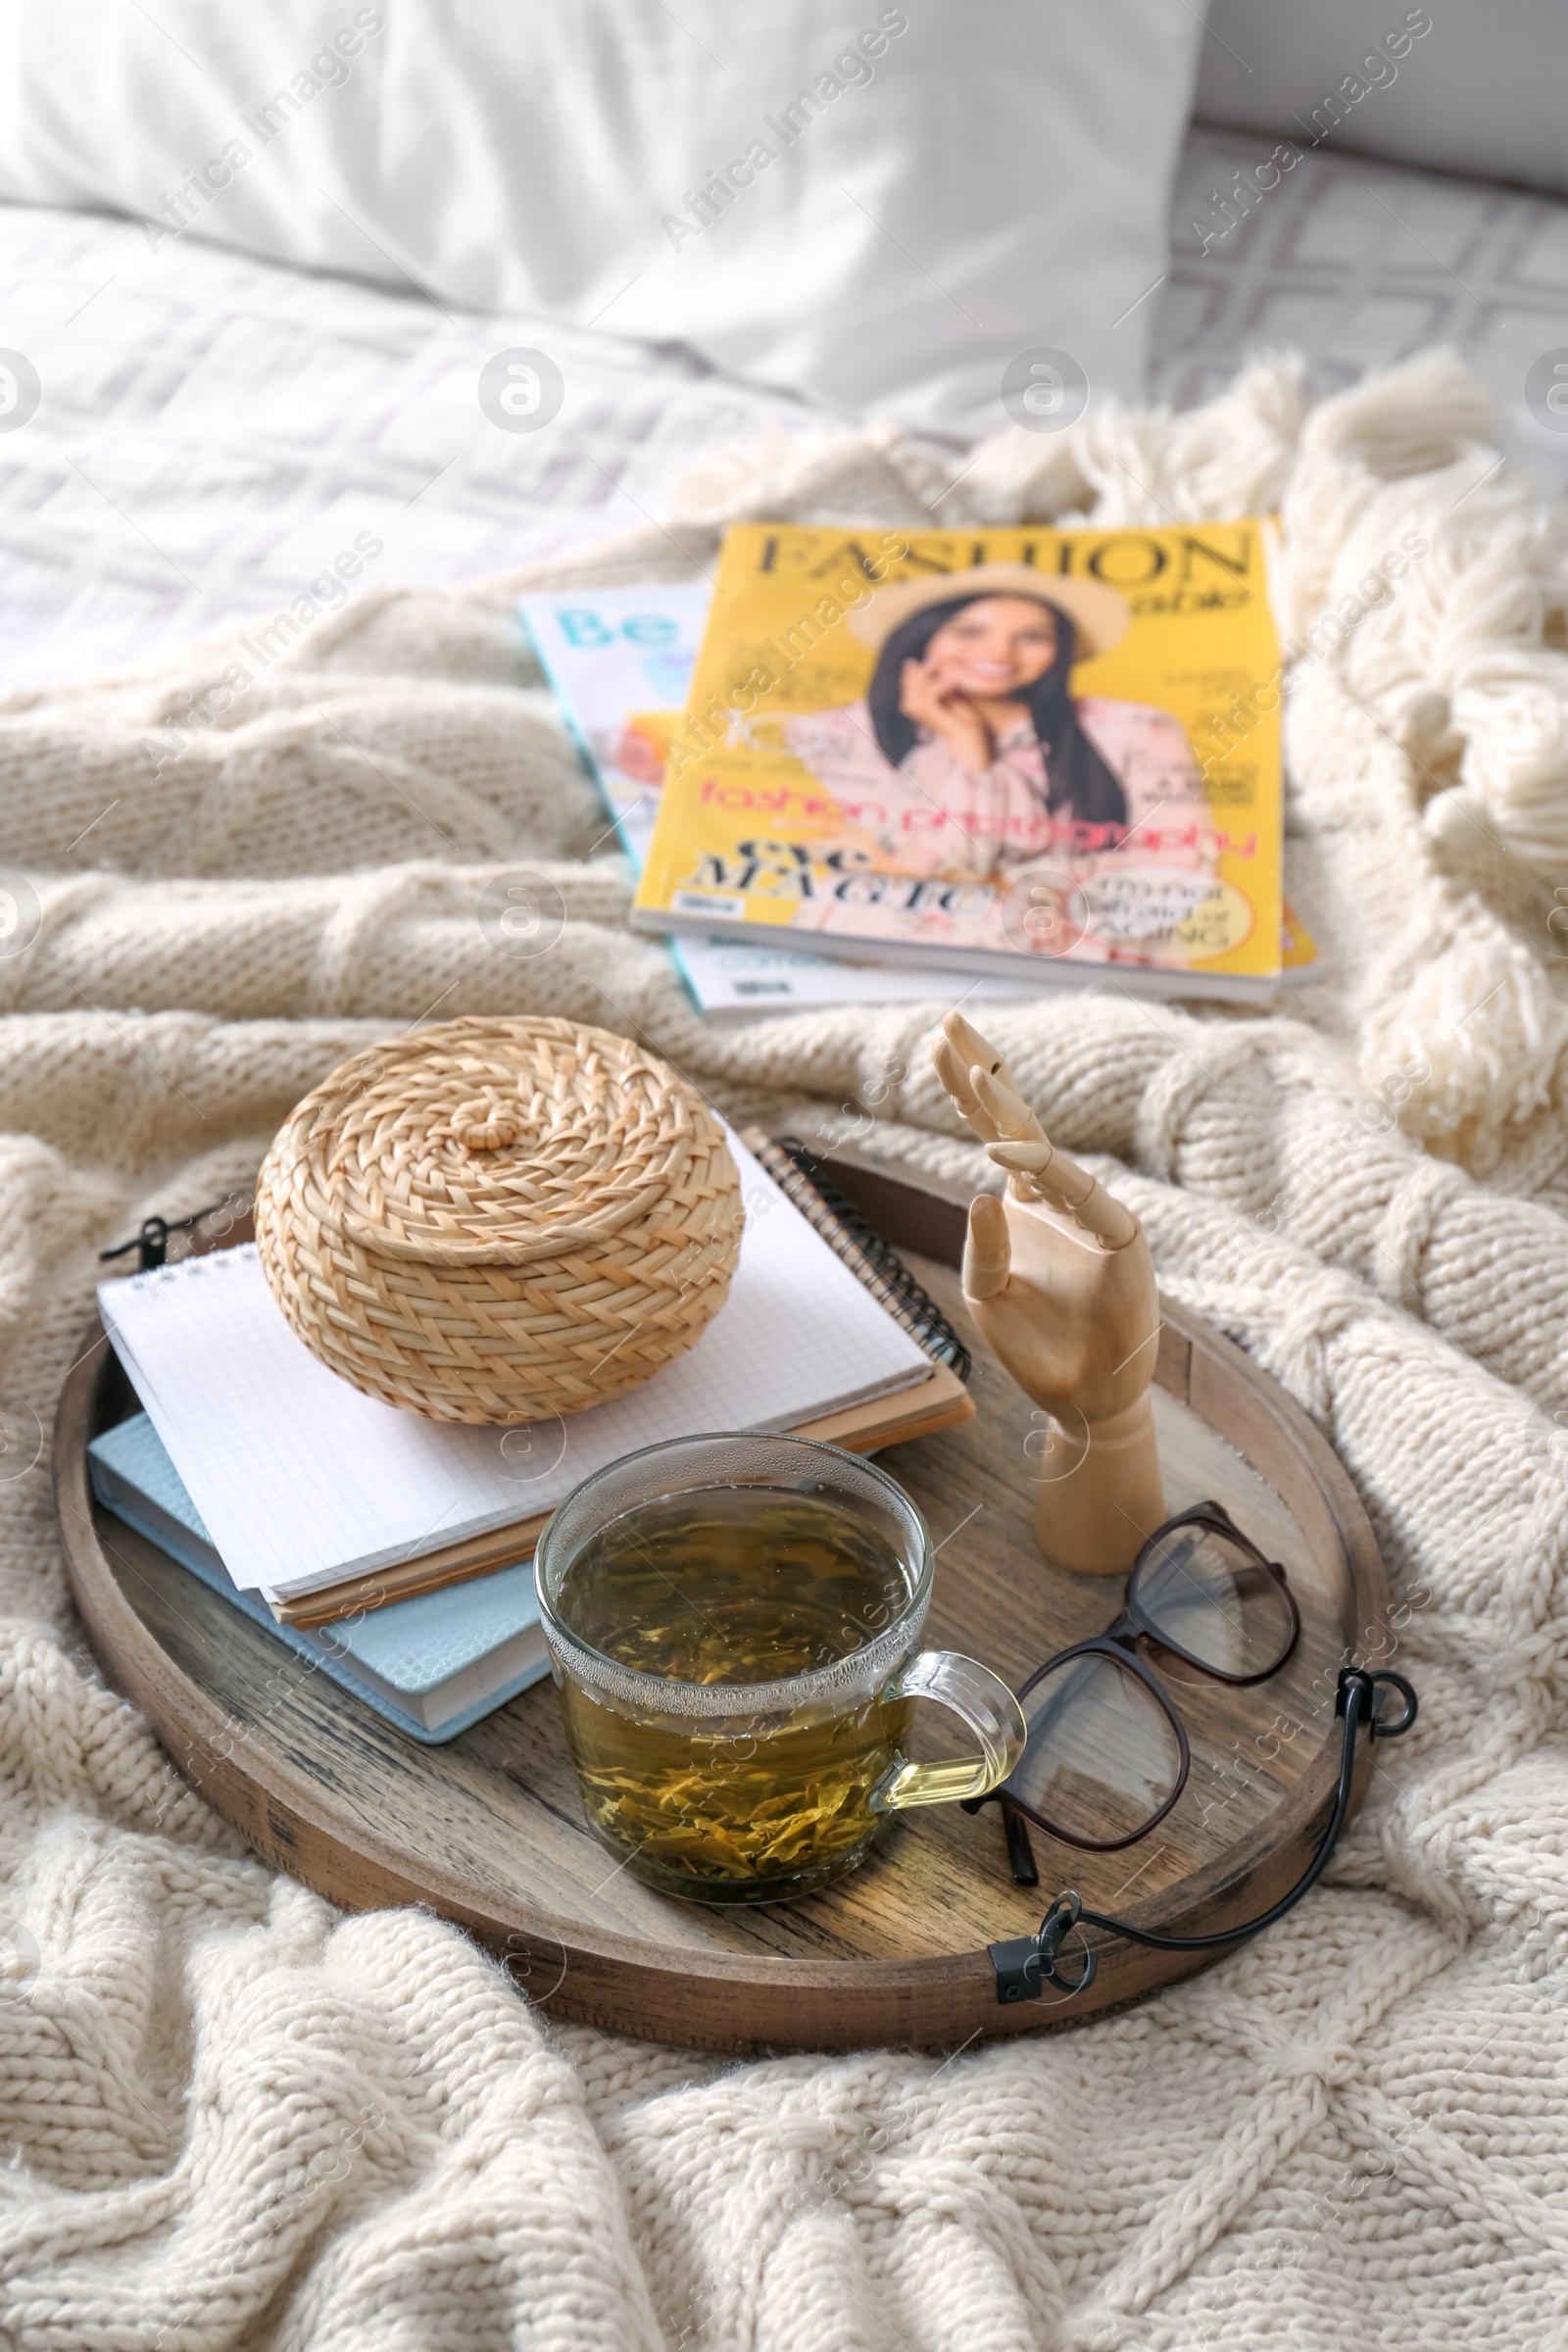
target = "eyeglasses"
x: 1026, y: 1964
x: 1107, y: 1757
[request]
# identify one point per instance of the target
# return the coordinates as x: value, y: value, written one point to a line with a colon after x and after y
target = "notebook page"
x: 302, y: 1480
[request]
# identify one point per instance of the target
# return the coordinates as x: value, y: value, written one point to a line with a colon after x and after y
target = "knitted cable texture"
x: 239, y: 2120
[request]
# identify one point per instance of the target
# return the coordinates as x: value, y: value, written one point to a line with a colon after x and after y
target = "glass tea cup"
x: 734, y: 1626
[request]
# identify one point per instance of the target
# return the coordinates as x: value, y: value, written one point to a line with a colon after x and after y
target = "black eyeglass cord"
x: 1025, y: 1965
x: 151, y: 1245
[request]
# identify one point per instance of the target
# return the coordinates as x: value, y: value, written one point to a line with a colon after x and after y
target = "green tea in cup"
x: 733, y: 1622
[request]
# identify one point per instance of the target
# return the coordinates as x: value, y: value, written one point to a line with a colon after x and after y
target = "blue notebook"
x: 432, y: 1665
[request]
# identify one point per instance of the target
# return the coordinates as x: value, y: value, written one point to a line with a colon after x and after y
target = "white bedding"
x: 877, y: 208
x: 1357, y: 263
x: 215, y: 430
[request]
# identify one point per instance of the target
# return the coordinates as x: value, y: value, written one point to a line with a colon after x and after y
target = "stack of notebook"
x: 432, y: 1665
x: 312, y: 1506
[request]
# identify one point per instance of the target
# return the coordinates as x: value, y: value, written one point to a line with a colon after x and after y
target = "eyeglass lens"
x: 1103, y: 1755
x: 1198, y: 1592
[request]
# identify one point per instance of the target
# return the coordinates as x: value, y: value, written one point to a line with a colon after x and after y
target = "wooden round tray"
x: 489, y: 1832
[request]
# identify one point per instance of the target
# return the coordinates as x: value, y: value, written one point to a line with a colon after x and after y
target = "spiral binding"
x: 800, y: 1174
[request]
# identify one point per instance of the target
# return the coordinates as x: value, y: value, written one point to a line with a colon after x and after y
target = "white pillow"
x: 1471, y: 88
x: 915, y: 196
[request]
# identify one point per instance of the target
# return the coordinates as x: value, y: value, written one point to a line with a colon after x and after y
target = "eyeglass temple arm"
x: 1028, y: 1963
x: 1020, y: 1853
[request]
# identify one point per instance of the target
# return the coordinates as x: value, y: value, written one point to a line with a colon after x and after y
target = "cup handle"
x: 980, y: 1700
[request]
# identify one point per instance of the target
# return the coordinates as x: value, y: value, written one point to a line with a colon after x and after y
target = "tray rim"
x: 621, y: 1982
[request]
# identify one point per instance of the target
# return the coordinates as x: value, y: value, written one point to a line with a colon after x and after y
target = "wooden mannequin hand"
x: 949, y: 716
x: 1073, y: 1323
x: 1059, y: 1272
x: 1062, y: 1286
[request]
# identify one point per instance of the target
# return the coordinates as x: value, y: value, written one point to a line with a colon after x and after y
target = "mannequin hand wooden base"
x: 1092, y: 1518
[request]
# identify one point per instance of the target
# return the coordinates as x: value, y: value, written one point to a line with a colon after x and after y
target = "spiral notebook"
x: 325, y: 1500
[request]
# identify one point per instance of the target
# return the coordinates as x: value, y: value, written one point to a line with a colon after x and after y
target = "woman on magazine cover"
x: 969, y: 760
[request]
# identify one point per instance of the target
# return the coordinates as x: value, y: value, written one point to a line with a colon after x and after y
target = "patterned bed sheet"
x: 215, y: 432
x: 1356, y: 265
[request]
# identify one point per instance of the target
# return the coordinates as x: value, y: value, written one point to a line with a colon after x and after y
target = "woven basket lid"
x: 493, y: 1220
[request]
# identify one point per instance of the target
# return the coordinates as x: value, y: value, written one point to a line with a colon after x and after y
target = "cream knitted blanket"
x: 237, y: 2119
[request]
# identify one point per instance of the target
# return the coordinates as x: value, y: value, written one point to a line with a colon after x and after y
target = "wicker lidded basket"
x: 497, y: 1220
